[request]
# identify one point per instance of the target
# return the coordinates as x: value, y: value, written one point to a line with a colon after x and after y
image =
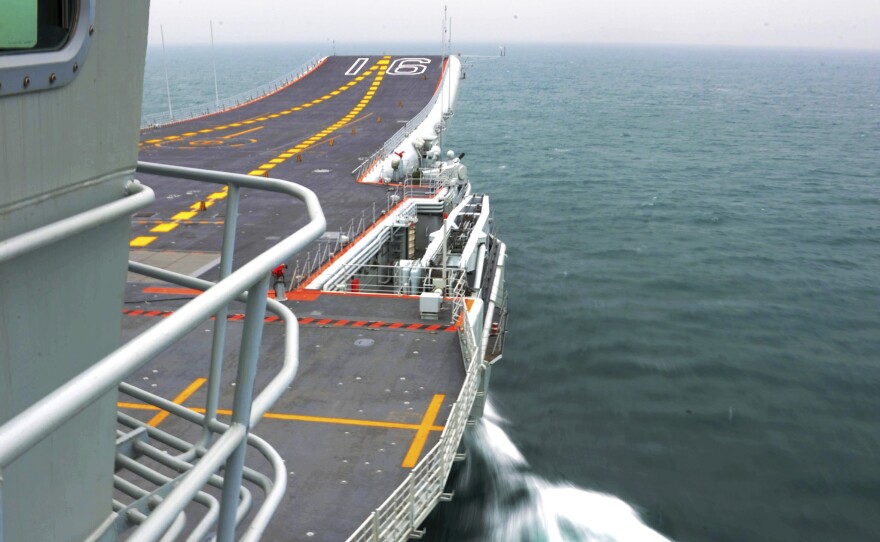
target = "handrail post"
x: 244, y: 388
x: 219, y: 340
x: 375, y: 526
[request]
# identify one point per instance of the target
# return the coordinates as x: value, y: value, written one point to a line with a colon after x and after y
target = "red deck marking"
x: 306, y: 320
x: 359, y: 323
x: 136, y: 312
x: 236, y: 317
x: 341, y: 322
x: 270, y: 319
x: 434, y: 327
x: 172, y: 291
x: 153, y: 313
x: 414, y: 326
x: 324, y: 322
x: 374, y: 325
x: 451, y: 329
x: 166, y: 314
x: 396, y: 325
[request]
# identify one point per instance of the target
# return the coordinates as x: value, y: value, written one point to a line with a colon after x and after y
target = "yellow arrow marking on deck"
x: 181, y: 397
x: 415, y: 449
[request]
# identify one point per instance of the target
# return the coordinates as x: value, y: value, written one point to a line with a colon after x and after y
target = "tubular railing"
x: 408, y: 506
x: 395, y: 140
x: 250, y: 283
x: 157, y: 120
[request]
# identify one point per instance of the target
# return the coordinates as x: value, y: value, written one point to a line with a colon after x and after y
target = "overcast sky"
x: 853, y: 24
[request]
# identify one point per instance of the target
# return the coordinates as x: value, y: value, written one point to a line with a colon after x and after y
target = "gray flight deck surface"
x: 363, y: 390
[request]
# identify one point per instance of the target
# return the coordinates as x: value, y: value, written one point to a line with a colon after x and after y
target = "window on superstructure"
x: 36, y: 25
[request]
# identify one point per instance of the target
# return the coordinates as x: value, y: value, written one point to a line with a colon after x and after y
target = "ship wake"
x: 498, y: 498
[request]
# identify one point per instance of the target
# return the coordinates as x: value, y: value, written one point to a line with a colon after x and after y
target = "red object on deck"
x: 355, y: 285
x: 279, y: 271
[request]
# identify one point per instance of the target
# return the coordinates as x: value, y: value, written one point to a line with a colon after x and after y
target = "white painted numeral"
x: 408, y: 66
x: 357, y: 66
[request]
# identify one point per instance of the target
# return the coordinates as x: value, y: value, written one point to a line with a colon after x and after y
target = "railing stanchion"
x: 241, y: 414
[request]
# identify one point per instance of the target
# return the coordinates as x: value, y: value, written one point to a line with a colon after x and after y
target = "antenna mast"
x: 165, y: 67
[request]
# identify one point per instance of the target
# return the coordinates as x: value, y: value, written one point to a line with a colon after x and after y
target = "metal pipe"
x: 241, y: 413
x: 190, y: 484
x: 31, y: 426
x: 139, y: 196
x: 201, y: 530
x: 219, y: 340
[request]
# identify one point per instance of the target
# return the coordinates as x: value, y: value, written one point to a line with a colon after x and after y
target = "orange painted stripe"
x: 396, y: 325
x: 418, y: 443
x: 324, y: 322
x: 172, y: 291
x: 341, y: 322
x: 374, y: 325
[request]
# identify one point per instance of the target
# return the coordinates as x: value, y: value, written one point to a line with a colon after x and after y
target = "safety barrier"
x: 161, y: 513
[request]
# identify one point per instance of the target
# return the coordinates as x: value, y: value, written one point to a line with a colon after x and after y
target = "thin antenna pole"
x: 214, y: 65
x: 165, y: 67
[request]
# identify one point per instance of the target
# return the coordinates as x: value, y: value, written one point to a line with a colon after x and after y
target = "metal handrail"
x: 31, y: 426
x: 137, y: 197
x: 408, y: 505
x: 157, y: 120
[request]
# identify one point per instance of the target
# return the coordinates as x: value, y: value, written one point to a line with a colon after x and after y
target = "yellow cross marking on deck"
x: 418, y: 443
x: 422, y: 430
x: 181, y: 397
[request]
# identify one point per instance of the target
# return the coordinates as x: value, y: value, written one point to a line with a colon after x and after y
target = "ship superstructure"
x: 313, y: 302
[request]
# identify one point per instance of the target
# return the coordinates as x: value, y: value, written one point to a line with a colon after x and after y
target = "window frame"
x: 23, y: 71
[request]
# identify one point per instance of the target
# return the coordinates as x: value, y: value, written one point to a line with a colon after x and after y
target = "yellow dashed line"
x: 184, y: 215
x: 164, y: 227
x: 141, y: 241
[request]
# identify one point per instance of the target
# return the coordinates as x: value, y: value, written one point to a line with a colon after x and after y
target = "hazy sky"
x: 788, y: 23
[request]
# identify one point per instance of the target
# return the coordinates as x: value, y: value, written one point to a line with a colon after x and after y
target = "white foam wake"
x: 525, y: 507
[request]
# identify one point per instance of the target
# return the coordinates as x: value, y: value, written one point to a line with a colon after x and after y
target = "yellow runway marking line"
x: 418, y: 443
x: 380, y: 65
x: 299, y: 418
x: 179, y: 400
x: 184, y: 215
x: 141, y: 241
x: 242, y: 132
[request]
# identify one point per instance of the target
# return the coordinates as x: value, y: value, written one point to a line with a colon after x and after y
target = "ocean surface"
x: 694, y: 276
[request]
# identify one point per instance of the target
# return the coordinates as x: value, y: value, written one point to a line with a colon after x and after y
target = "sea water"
x: 694, y: 255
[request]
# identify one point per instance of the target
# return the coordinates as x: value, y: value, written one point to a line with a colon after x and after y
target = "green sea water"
x: 694, y: 276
